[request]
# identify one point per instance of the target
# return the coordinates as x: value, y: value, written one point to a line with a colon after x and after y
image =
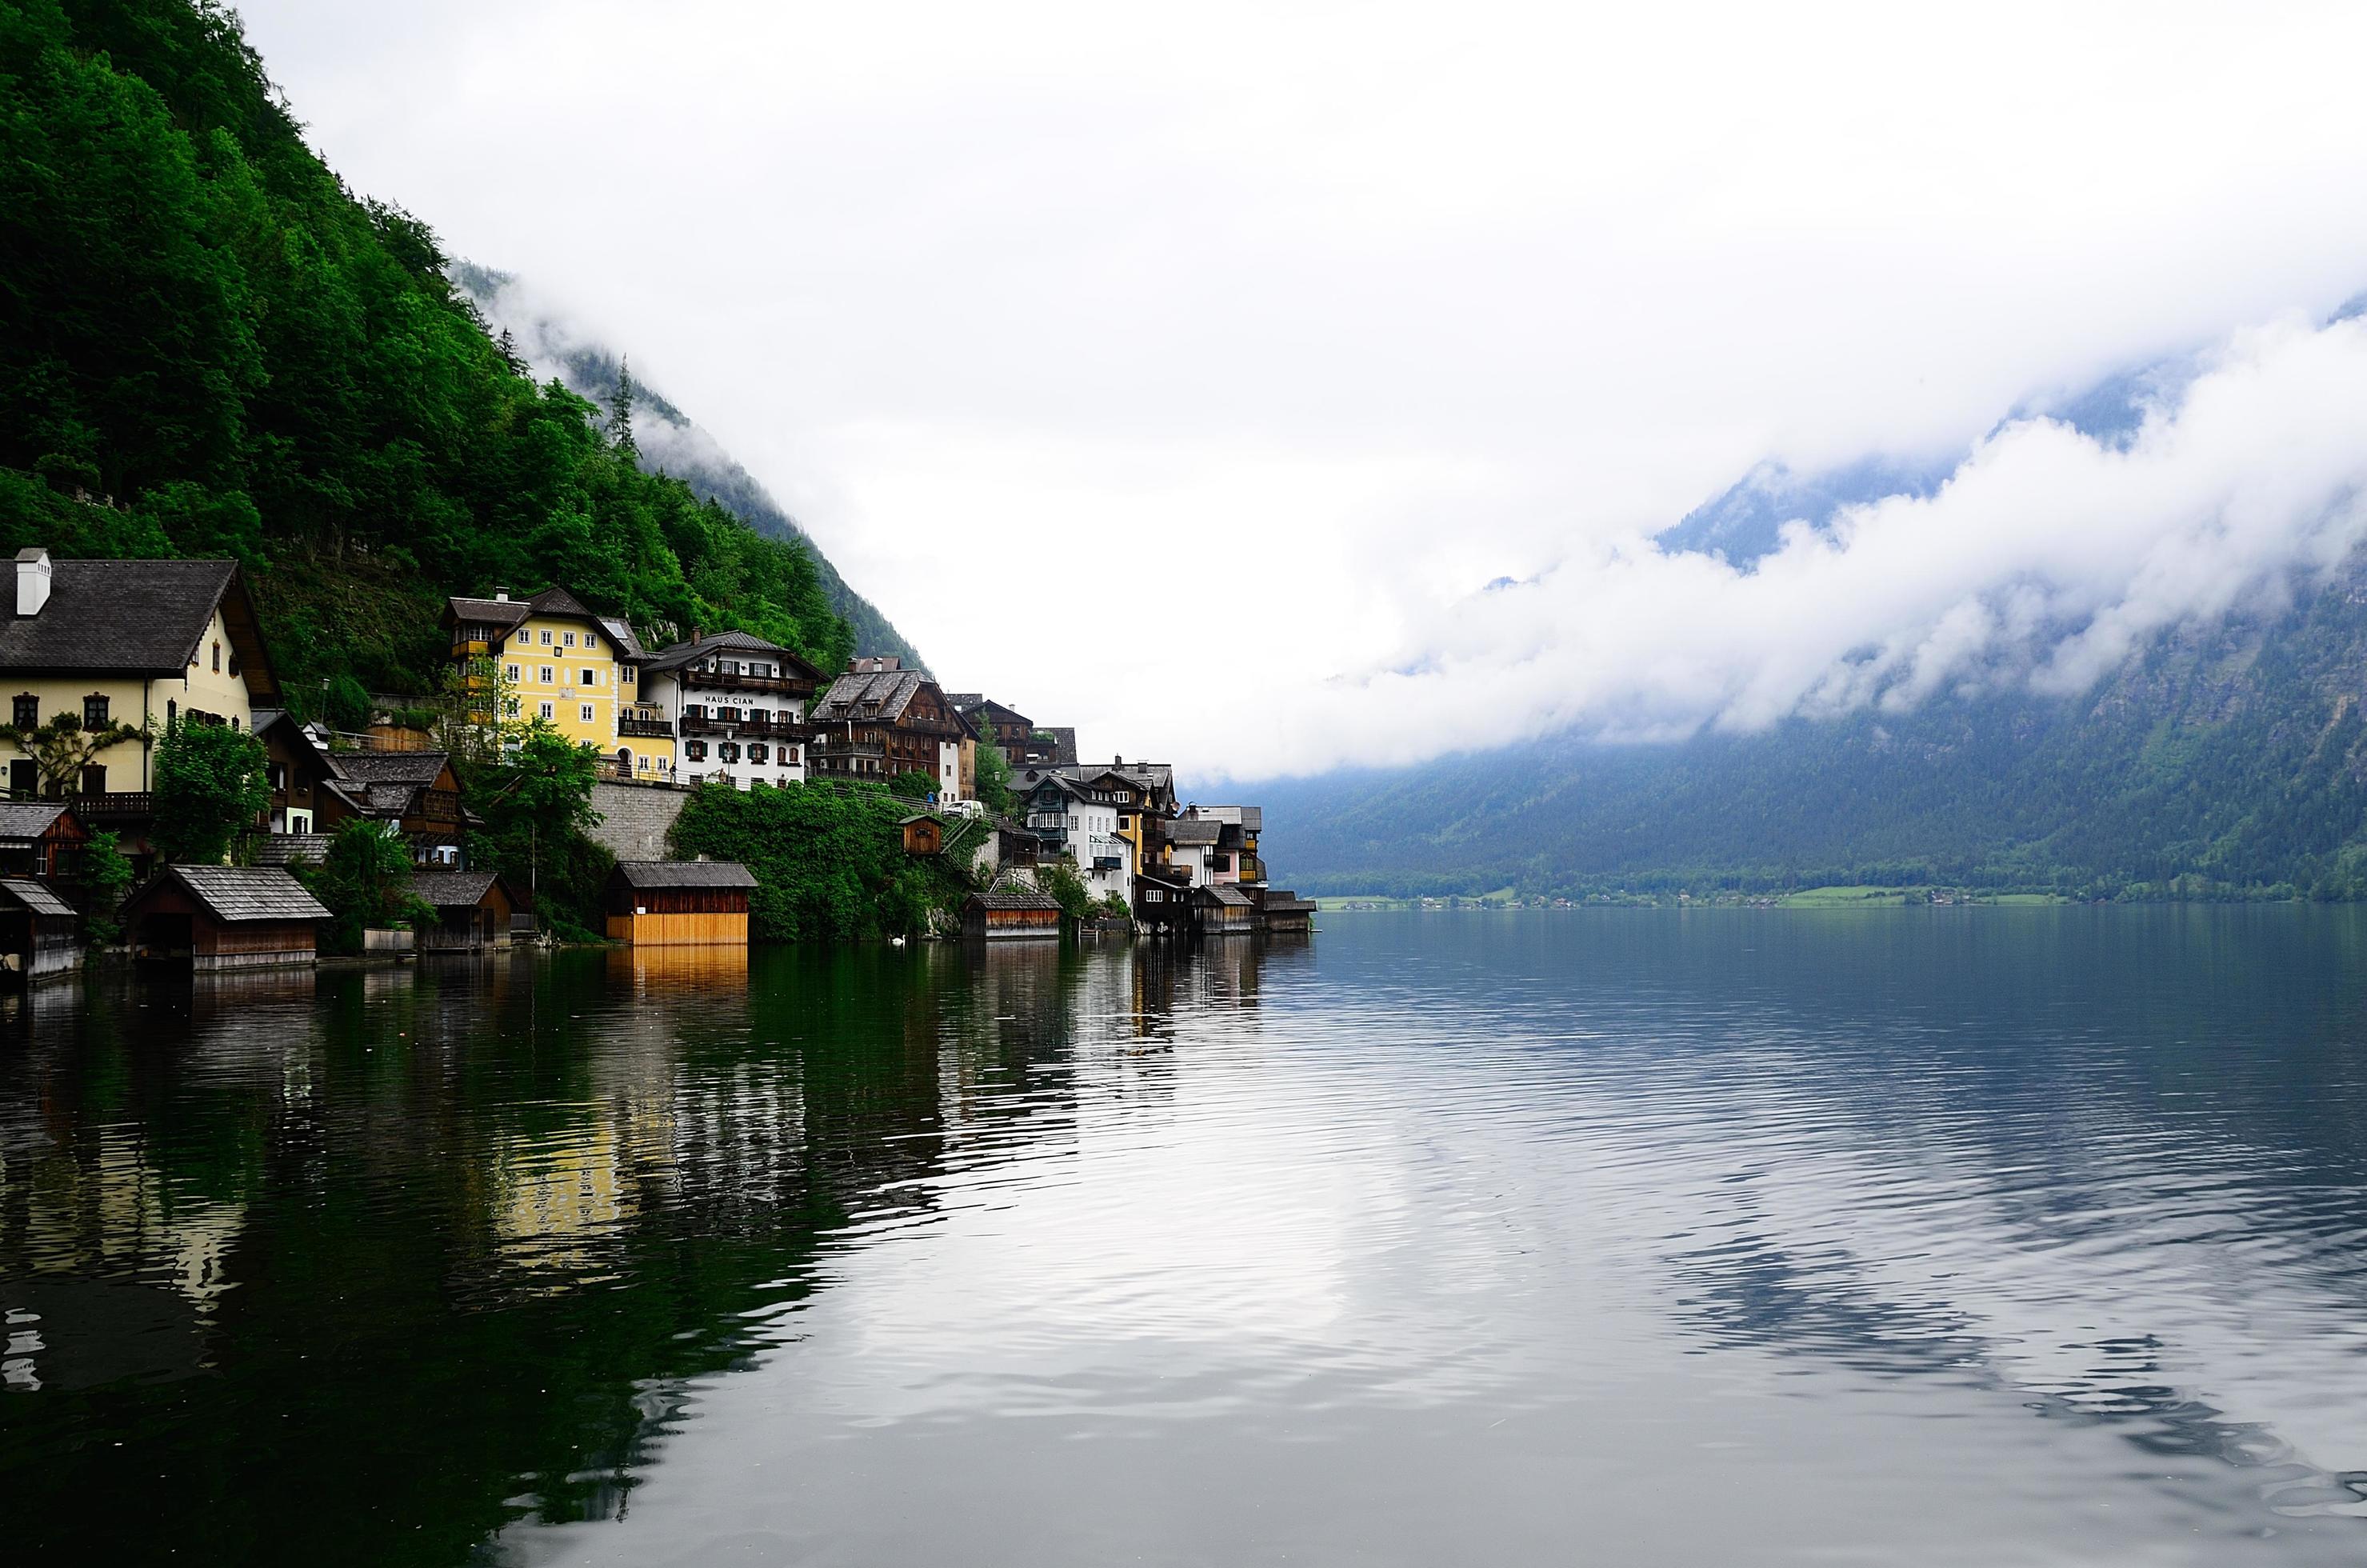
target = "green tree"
x: 1059, y: 879
x: 828, y: 861
x: 102, y: 875
x: 535, y: 802
x: 365, y: 880
x: 211, y: 786
x: 62, y: 745
x: 994, y: 779
x: 911, y: 785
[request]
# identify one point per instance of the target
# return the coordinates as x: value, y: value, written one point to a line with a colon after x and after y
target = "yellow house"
x: 137, y: 643
x: 564, y: 664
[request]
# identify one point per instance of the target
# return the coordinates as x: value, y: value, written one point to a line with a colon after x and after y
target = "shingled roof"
x: 454, y: 889
x: 1191, y: 832
x: 135, y: 617
x: 681, y: 654
x: 415, y: 768
x: 685, y: 874
x: 509, y: 612
x: 37, y: 898
x: 1011, y: 891
x: 22, y: 821
x: 238, y: 893
x: 884, y: 696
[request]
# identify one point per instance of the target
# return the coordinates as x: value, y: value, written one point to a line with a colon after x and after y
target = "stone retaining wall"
x: 635, y: 819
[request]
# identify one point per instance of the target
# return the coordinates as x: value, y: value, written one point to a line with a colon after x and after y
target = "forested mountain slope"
x: 2227, y: 760
x: 209, y: 346
x: 671, y: 441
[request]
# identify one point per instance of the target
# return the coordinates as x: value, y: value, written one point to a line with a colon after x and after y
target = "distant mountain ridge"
x: 671, y: 441
x: 2221, y: 760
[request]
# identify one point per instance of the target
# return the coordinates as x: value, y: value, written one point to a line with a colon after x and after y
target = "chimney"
x: 32, y: 579
x: 501, y: 596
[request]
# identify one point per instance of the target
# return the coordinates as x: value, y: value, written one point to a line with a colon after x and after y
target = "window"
x: 728, y: 752
x: 218, y: 658
x: 591, y: 676
x: 548, y: 712
x: 546, y: 675
x: 625, y: 673
x: 275, y: 775
x: 94, y: 778
x: 525, y: 638
x: 29, y: 712
x: 511, y: 671
x: 172, y: 714
x: 695, y: 750
x: 756, y: 751
x: 1073, y: 825
x: 94, y: 711
x: 586, y: 710
x: 589, y: 642
x: 569, y: 640
x: 510, y: 708
x: 546, y: 639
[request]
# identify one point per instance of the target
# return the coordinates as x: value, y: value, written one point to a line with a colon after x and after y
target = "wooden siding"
x: 676, y: 929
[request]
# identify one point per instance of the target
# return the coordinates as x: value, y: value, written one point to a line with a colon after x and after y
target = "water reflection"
x: 1945, y: 1236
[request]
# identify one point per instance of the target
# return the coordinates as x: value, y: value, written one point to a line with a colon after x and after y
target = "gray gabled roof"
x: 235, y: 893
x: 1227, y: 895
x: 454, y: 889
x: 36, y: 898
x: 884, y: 696
x: 414, y: 769
x: 681, y: 655
x: 1191, y: 833
x: 27, y: 820
x: 1015, y: 893
x: 685, y: 874
x: 118, y: 616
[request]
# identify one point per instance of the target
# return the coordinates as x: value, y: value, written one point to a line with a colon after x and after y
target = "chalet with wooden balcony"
x: 874, y: 723
x: 416, y: 791
x: 734, y: 706
x: 1078, y: 820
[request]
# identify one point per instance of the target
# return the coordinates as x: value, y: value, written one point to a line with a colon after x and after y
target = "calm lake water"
x: 1969, y: 1236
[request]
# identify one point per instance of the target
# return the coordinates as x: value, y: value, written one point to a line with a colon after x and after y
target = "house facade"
x: 874, y: 723
x: 730, y: 706
x: 137, y: 643
x: 560, y: 662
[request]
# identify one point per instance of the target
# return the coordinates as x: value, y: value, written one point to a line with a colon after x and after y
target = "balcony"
x: 118, y: 806
x: 644, y: 729
x: 717, y: 681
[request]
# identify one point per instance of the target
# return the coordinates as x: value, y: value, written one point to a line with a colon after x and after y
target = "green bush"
x: 828, y: 859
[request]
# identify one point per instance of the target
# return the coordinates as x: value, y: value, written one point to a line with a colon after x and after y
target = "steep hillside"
x: 208, y: 345
x: 671, y: 441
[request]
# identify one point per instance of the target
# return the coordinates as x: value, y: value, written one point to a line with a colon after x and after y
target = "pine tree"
x: 508, y: 347
x: 620, y: 412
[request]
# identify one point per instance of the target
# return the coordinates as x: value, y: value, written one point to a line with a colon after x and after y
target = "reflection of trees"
x: 431, y: 1249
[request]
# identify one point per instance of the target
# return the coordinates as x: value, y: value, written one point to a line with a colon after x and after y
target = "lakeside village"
x: 163, y: 800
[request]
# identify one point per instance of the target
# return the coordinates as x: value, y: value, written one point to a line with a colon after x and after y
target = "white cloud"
x: 1297, y: 326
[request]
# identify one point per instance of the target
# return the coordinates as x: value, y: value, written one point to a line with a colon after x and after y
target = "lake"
x: 1958, y: 1236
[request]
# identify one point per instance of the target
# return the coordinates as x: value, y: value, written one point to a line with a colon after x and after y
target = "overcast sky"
x: 1187, y: 374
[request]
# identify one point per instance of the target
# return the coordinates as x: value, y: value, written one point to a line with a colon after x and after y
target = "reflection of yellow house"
x: 137, y: 642
x: 562, y: 663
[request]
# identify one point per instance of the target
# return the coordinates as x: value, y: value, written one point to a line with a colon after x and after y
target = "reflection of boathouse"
x: 652, y: 903
x: 212, y: 917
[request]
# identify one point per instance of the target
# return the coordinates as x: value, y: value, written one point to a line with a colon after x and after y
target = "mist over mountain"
x: 2174, y: 710
x: 670, y: 441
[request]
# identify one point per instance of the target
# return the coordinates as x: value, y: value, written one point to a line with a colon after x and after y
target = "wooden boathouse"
x: 217, y: 917
x: 679, y: 902
x: 474, y: 910
x: 40, y: 932
x: 1011, y: 909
